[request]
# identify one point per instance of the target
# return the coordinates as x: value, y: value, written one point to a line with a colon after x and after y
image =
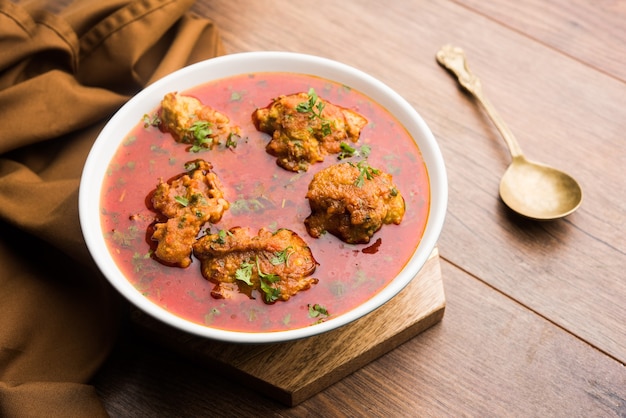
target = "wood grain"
x: 488, y: 357
x: 292, y: 372
x: 535, y: 315
x: 563, y: 113
x: 589, y: 31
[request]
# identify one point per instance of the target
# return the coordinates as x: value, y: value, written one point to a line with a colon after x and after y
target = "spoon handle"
x: 453, y: 59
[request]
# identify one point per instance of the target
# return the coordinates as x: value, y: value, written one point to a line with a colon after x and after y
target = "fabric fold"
x: 26, y: 35
x: 64, y: 70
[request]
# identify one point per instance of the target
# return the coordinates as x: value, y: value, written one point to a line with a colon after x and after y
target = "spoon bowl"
x: 538, y: 191
x: 531, y: 189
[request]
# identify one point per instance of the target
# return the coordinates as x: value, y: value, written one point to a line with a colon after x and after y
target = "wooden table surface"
x: 535, y: 321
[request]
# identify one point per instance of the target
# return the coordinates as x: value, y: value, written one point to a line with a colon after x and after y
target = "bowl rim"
x: 187, y: 77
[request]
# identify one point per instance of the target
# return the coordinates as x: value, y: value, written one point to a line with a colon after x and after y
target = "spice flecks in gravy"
x: 262, y: 194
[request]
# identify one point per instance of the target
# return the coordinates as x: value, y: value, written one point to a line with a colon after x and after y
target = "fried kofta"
x: 352, y: 201
x: 305, y: 128
x: 276, y: 264
x: 189, y: 121
x: 187, y: 201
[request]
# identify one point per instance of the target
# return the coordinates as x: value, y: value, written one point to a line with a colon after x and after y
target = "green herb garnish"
x: 271, y: 293
x: 317, y: 310
x: 231, y: 141
x: 346, y: 151
x: 151, y: 120
x: 281, y: 257
x: 310, y: 105
x: 365, y: 151
x: 125, y: 238
x: 244, y: 273
x: 221, y: 236
x: 138, y: 260
x: 366, y: 172
x: 182, y: 200
x: 315, y: 106
x: 197, y: 199
x: 191, y: 166
x: 200, y: 132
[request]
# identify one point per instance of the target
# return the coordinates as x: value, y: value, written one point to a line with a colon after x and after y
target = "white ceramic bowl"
x: 127, y: 118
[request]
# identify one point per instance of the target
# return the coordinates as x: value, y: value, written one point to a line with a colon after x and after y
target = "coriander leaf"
x: 244, y: 273
x: 182, y: 200
x: 366, y: 172
x: 231, y: 141
x: 191, y: 165
x: 326, y: 127
x: 317, y: 310
x: 308, y: 106
x: 281, y: 257
x: 320, y: 108
x: 315, y: 106
x: 197, y: 198
x: 200, y: 130
x: 221, y: 236
x: 149, y: 120
x: 346, y: 151
x: 266, y: 279
x: 271, y: 293
x: 199, y: 135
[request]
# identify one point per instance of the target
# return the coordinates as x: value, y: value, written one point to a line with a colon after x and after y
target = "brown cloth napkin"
x: 65, y: 67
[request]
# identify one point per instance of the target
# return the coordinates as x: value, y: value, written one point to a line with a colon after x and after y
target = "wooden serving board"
x: 291, y: 372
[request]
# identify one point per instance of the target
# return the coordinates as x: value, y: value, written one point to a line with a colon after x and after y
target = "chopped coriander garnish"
x: 244, y: 273
x: 366, y: 172
x: 309, y: 106
x: 315, y: 107
x: 221, y: 236
x: 151, y: 120
x: 182, y: 200
x: 200, y: 132
x: 281, y: 257
x: 346, y: 151
x: 326, y: 127
x: 138, y: 260
x: 197, y: 198
x: 271, y: 293
x: 316, y: 310
x: 125, y: 238
x: 266, y: 279
x: 191, y: 165
x: 231, y: 141
x: 182, y: 222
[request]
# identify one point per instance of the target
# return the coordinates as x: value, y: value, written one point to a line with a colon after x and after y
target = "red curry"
x: 262, y: 195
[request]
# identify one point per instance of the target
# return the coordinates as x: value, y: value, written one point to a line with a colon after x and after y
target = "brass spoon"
x: 534, y: 190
